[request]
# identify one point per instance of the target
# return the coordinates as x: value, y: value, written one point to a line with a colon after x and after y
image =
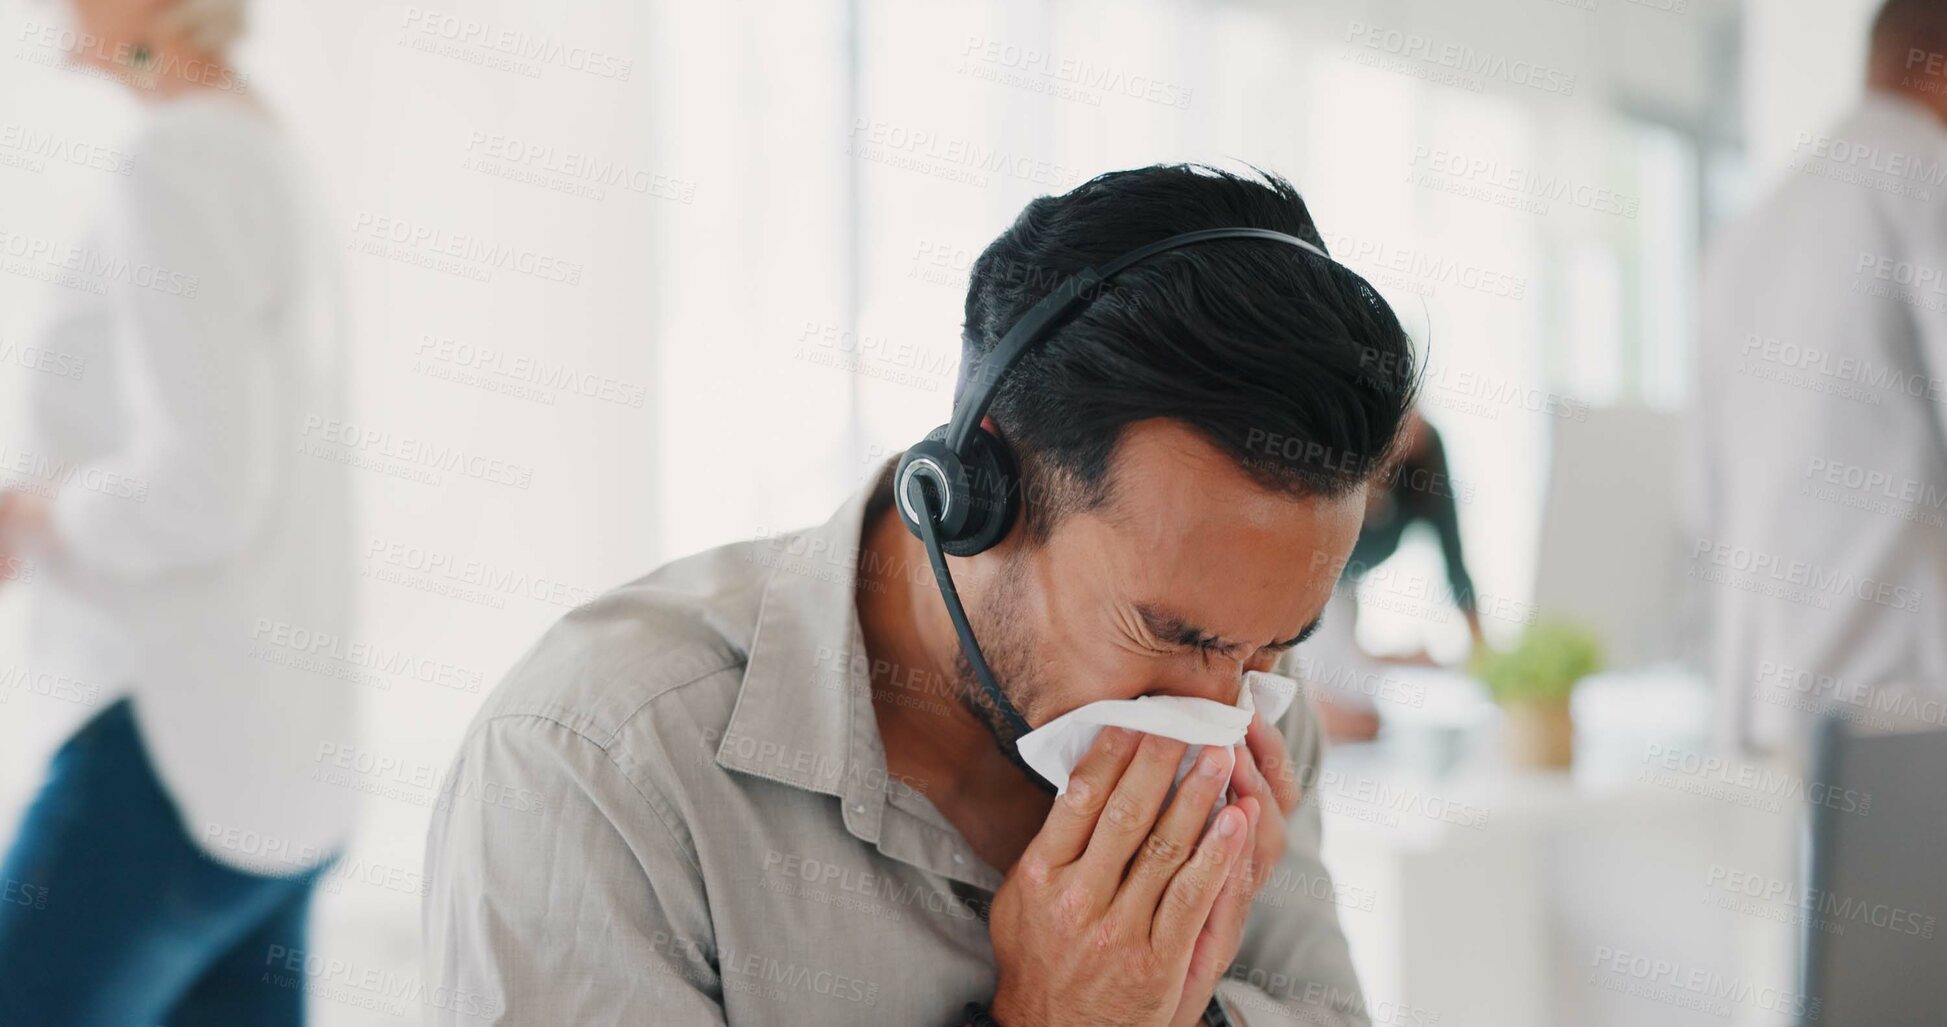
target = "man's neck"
x: 1934, y: 102
x: 924, y: 721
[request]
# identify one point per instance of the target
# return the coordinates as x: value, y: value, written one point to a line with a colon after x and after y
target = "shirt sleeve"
x: 188, y: 277
x: 1294, y: 966
x: 539, y: 910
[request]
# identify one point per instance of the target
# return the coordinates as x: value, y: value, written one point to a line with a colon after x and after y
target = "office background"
x: 673, y: 274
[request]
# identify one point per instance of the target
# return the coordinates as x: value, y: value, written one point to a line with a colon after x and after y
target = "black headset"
x: 959, y: 490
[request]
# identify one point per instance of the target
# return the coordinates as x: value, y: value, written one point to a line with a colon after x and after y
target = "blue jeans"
x: 110, y: 914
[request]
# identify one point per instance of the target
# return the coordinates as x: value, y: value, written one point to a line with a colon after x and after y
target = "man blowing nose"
x: 776, y: 785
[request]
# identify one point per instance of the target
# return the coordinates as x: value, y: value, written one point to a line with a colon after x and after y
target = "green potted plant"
x: 1533, y: 682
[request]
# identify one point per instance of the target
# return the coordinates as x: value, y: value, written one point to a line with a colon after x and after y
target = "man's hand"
x: 1266, y: 784
x: 1098, y: 920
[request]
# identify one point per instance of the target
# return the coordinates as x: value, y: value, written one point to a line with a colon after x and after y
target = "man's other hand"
x: 1099, y: 919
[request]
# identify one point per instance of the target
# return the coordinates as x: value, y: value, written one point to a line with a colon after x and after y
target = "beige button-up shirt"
x: 676, y: 810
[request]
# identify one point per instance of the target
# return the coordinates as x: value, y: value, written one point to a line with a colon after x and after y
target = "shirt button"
x: 858, y: 809
x: 957, y: 858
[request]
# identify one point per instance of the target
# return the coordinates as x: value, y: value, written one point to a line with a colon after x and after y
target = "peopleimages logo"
x: 1901, y: 272
x: 121, y: 56
x: 426, y: 30
x: 1087, y: 79
x: 1460, y: 58
x: 39, y: 148
x: 951, y: 157
x: 46, y: 361
x: 417, y: 452
x: 94, y: 269
x: 41, y: 467
x: 1875, y: 482
x: 1869, y: 156
x: 370, y: 987
x: 585, y: 169
x: 1695, y: 987
x: 897, y: 360
x: 1748, y: 784
x: 1841, y: 368
x: 455, y: 252
x: 885, y: 894
x: 48, y: 685
x: 1410, y: 265
x: 1822, y: 905
x: 433, y: 570
x: 1758, y: 565
x: 419, y: 784
x: 23, y: 893
x: 1882, y: 705
x: 520, y: 375
x: 1461, y: 166
x: 352, y: 653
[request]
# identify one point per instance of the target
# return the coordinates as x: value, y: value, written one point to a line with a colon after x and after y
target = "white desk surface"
x: 1476, y: 893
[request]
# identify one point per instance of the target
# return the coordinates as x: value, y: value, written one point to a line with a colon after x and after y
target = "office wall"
x: 1806, y: 61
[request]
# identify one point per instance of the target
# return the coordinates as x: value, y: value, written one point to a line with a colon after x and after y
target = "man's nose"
x: 1218, y: 681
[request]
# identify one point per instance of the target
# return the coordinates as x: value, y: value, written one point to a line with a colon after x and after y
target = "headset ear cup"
x: 928, y: 461
x: 993, y: 488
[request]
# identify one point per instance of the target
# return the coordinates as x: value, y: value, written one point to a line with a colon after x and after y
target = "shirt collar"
x: 804, y: 716
x: 1898, y: 107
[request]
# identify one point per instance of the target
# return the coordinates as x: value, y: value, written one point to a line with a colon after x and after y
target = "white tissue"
x: 1054, y: 748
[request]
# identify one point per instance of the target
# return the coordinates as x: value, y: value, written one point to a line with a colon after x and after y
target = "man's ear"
x: 1017, y: 530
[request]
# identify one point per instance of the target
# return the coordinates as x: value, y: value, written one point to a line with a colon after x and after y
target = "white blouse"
x: 199, y: 542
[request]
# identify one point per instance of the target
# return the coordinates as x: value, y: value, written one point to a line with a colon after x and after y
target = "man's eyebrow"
x: 1174, y: 629
x: 1310, y: 630
x: 1169, y: 627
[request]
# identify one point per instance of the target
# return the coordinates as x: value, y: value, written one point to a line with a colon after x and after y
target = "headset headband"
x: 1068, y: 298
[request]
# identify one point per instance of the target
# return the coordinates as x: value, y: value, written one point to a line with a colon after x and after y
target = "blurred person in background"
x: 179, y: 540
x: 1419, y: 490
x: 1819, y: 472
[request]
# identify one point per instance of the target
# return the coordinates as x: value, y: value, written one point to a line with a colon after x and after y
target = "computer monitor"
x: 1611, y: 532
x: 1874, y: 934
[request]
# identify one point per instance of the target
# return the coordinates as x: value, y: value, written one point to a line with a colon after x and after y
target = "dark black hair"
x: 1286, y: 361
x: 1901, y: 27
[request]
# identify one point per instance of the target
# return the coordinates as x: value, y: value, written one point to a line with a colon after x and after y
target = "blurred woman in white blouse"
x: 182, y: 545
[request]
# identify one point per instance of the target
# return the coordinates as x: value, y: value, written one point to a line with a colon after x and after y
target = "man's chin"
x: 976, y: 701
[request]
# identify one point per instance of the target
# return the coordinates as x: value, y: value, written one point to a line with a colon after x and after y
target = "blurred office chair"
x: 1878, y: 875
x: 1611, y: 532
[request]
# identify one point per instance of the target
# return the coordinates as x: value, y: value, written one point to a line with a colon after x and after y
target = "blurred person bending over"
x: 1419, y: 490
x: 767, y: 789
x: 175, y: 531
x: 1820, y: 475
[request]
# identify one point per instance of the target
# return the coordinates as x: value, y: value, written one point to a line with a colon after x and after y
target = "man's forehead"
x: 1207, y: 517
x: 1166, y: 471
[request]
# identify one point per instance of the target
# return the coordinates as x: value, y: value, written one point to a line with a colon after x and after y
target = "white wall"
x: 1804, y: 65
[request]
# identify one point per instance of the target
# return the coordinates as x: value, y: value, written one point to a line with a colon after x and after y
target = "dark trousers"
x: 110, y: 914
